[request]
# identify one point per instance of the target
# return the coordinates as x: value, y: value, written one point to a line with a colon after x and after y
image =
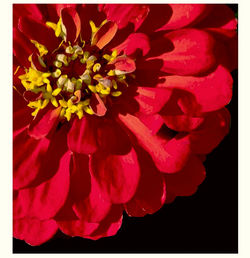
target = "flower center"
x: 73, y: 77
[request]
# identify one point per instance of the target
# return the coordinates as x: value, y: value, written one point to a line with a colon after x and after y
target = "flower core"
x: 74, y: 76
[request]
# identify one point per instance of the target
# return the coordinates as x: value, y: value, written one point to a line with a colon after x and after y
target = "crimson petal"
x: 169, y: 156
x: 28, y: 155
x: 45, y: 200
x: 34, y: 231
x: 192, y: 53
x: 117, y: 175
x: 151, y: 191
x: 123, y: 14
x: 82, y: 136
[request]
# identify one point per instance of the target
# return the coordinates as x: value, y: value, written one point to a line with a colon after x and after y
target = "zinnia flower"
x: 115, y: 108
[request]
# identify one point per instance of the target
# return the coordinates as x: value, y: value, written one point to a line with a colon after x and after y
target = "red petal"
x: 185, y: 182
x: 22, y: 48
x: 44, y: 123
x: 123, y: 14
x: 30, y: 10
x: 97, y: 105
x: 182, y: 123
x: 226, y: 21
x: 81, y: 137
x: 39, y: 32
x: 28, y: 155
x: 192, y: 52
x: 21, y: 113
x: 211, y: 132
x: 72, y: 22
x: 117, y: 175
x: 45, y: 200
x: 211, y: 92
x: 110, y: 225
x: 151, y: 192
x: 184, y: 15
x: 34, y: 231
x: 80, y: 184
x: 80, y: 228
x: 105, y: 34
x: 152, y: 100
x: 135, y: 42
x: 152, y: 122
x: 95, y: 207
x: 112, y: 138
x: 169, y: 156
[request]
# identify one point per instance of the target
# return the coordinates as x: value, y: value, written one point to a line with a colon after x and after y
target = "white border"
x: 6, y: 132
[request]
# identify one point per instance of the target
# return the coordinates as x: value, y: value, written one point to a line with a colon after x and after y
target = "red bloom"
x: 114, y: 106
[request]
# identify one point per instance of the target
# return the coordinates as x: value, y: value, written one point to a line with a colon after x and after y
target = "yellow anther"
x: 97, y: 77
x: 62, y: 113
x: 62, y: 58
x: 56, y: 91
x: 111, y: 73
x: 78, y: 50
x: 49, y: 88
x: 63, y: 103
x: 69, y: 103
x: 69, y: 85
x: 116, y: 93
x: 93, y: 27
x: 80, y: 114
x: 102, y: 89
x: 78, y: 84
x: 114, y: 84
x: 92, y: 88
x: 52, y: 25
x: 107, y: 57
x: 88, y: 110
x: 86, y: 78
x: 62, y: 80
x: 57, y: 64
x: 41, y: 48
x: 86, y: 55
x: 54, y: 102
x: 114, y: 54
x: 45, y: 103
x: 96, y: 67
x: 57, y: 73
x: 69, y: 50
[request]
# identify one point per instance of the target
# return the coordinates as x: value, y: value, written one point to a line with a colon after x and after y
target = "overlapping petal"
x: 139, y: 100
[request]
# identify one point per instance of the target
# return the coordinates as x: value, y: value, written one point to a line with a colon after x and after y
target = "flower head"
x: 115, y: 107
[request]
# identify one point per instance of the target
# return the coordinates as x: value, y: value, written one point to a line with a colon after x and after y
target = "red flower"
x: 115, y: 107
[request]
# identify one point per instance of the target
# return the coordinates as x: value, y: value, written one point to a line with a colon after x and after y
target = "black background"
x: 206, y: 222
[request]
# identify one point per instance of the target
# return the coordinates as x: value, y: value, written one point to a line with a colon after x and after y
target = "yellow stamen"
x: 41, y: 48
